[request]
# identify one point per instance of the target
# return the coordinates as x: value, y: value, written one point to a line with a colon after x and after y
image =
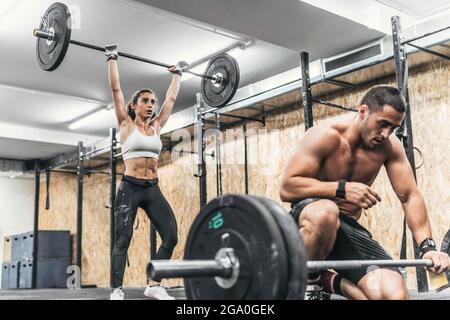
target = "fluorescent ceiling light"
x: 16, y: 174
x: 96, y: 116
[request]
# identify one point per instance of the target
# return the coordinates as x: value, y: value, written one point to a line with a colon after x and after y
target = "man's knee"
x: 385, y: 284
x: 323, y: 214
x: 393, y: 286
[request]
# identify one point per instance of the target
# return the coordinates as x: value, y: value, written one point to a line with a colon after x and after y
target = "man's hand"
x: 441, y: 261
x: 361, y: 195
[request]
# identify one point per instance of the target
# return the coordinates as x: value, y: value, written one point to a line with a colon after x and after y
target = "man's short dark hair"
x: 379, y: 96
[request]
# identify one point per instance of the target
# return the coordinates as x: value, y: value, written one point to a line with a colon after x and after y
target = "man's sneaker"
x: 157, y: 293
x: 117, y: 294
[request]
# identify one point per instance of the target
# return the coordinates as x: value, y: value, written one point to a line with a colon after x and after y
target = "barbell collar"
x: 47, y: 35
x: 357, y: 264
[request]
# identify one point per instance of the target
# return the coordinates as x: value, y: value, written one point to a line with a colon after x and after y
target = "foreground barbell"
x: 247, y: 247
x: 219, y: 82
x: 222, y: 267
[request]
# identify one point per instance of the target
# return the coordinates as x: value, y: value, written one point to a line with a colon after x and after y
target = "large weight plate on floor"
x: 217, y: 95
x: 298, y: 271
x: 257, y: 241
x: 445, y: 247
x: 57, y: 19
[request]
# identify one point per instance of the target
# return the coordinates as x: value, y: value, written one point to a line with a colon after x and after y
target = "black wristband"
x: 427, y: 245
x: 425, y: 250
x: 340, y: 191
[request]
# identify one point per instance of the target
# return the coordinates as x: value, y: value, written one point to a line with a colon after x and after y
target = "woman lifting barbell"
x: 140, y: 127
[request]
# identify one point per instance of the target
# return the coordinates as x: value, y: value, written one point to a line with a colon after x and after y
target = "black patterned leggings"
x: 133, y: 194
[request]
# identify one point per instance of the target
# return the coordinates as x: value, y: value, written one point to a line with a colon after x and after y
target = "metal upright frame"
x: 37, y: 183
x: 218, y: 143
x: 200, y: 132
x: 306, y: 91
x: 405, y: 134
x: 80, y: 175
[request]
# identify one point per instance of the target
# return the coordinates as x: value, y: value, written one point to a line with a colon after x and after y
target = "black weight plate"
x: 218, y: 95
x: 445, y: 247
x: 256, y: 240
x: 295, y: 247
x: 50, y: 54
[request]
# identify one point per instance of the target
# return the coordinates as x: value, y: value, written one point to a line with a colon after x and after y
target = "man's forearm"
x: 417, y: 217
x: 300, y: 188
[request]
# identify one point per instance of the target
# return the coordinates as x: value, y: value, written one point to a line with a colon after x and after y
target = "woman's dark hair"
x: 135, y: 98
x: 377, y: 97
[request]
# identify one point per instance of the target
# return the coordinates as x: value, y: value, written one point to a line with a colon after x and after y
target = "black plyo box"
x: 5, y: 275
x: 51, y: 244
x: 13, y: 276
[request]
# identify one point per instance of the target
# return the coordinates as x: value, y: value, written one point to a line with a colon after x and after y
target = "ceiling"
x: 168, y: 31
x: 418, y: 8
x: 290, y: 24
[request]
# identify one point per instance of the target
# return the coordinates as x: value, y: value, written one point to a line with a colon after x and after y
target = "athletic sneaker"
x: 117, y: 294
x: 157, y: 293
x: 315, y: 292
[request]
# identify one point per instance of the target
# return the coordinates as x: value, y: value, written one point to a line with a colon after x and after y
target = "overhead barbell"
x: 248, y: 247
x: 219, y: 82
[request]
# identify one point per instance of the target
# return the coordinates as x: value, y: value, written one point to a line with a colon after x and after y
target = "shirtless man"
x: 328, y: 183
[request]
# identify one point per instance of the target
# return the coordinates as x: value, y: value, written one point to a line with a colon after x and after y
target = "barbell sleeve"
x: 356, y: 264
x: 43, y: 34
x: 160, y: 269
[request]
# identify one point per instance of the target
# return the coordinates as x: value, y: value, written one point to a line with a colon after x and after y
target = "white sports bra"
x: 139, y: 145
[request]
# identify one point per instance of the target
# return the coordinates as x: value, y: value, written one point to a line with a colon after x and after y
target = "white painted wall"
x: 16, y: 208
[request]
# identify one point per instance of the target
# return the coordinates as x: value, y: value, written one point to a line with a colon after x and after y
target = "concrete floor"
x: 137, y: 294
x: 79, y: 294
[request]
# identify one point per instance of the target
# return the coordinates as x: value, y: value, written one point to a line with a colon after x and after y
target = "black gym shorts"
x: 353, y: 242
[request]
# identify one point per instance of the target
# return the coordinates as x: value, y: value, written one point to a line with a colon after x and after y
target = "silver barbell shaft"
x: 213, y: 268
x: 356, y: 264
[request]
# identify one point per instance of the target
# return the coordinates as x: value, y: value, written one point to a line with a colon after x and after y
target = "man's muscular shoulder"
x: 393, y: 147
x: 322, y: 139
